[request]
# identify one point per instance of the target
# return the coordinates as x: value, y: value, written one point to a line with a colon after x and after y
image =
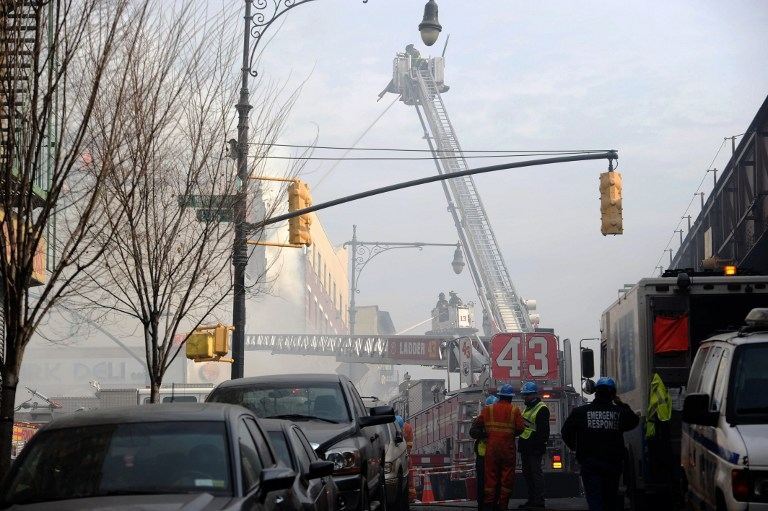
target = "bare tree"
x: 54, y: 56
x: 167, y: 201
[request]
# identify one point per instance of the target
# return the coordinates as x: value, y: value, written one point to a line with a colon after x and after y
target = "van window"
x: 698, y: 364
x: 710, y: 370
x: 748, y: 390
x: 720, y: 382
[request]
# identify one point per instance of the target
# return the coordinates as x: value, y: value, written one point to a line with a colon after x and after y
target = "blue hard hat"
x: 506, y: 390
x: 490, y: 400
x: 400, y: 421
x: 605, y: 381
x: 529, y: 387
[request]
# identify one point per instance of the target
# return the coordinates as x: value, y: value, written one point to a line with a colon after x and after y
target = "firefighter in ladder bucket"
x: 532, y: 444
x: 502, y: 422
x: 478, y: 433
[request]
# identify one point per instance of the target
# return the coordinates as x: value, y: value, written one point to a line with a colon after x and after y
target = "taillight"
x: 741, y: 485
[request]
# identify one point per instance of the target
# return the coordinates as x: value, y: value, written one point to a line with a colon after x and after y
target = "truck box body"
x: 631, y: 354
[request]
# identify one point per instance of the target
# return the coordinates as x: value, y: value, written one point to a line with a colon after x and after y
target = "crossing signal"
x: 610, y: 203
x: 209, y: 343
x: 299, y: 227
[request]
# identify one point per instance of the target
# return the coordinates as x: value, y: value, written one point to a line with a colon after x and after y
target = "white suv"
x: 724, y: 450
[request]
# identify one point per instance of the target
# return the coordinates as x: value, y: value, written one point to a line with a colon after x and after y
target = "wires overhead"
x: 690, y: 203
x: 448, y: 156
x: 380, y: 153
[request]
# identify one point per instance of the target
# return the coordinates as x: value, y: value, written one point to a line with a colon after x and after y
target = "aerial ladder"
x: 419, y: 82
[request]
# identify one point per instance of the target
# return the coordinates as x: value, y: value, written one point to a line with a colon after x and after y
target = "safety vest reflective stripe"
x: 529, y: 416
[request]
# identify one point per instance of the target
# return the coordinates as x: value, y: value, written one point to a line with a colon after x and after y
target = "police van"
x: 724, y: 449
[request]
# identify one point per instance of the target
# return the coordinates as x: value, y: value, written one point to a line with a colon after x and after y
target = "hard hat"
x: 490, y: 400
x: 400, y: 421
x: 506, y: 390
x: 605, y: 381
x: 529, y: 388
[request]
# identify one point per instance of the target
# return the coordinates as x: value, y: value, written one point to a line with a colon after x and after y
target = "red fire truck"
x: 442, y: 445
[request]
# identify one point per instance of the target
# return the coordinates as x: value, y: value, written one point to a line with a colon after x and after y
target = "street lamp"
x: 429, y: 27
x: 256, y: 25
x: 363, y: 251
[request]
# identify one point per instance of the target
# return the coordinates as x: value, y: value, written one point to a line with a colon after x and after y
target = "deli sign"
x: 517, y: 357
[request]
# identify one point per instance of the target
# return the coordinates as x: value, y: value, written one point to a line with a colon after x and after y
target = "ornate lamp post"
x: 364, y: 251
x: 256, y: 25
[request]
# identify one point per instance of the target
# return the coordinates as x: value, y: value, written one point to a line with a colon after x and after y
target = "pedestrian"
x: 477, y: 431
x: 532, y: 444
x: 502, y: 422
x: 596, y: 432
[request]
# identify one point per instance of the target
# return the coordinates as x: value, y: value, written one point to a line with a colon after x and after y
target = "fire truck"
x: 513, y: 348
x: 441, y: 417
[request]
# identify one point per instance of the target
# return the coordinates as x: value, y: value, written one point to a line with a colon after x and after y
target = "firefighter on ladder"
x: 502, y: 422
x: 532, y: 444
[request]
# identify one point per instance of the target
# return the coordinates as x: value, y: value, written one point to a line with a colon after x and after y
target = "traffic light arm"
x: 608, y: 155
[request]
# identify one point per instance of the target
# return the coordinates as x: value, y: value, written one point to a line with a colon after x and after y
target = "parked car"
x: 165, y: 456
x: 395, y: 461
x: 313, y: 486
x: 396, y: 468
x: 336, y: 421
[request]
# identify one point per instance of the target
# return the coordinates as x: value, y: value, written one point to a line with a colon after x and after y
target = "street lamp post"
x: 256, y: 25
x: 364, y: 251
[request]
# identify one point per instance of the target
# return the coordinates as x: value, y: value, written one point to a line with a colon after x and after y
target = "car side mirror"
x: 398, y: 438
x: 382, y: 410
x: 318, y: 469
x: 275, y: 479
x: 379, y: 415
x: 588, y: 386
x: 377, y: 420
x: 696, y: 410
x: 587, y: 363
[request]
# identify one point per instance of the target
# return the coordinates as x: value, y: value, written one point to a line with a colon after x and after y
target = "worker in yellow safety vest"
x: 532, y: 444
x: 477, y: 431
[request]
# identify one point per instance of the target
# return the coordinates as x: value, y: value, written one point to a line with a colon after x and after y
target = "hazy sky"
x: 661, y: 82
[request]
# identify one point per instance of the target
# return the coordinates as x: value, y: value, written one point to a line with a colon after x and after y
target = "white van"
x: 724, y: 451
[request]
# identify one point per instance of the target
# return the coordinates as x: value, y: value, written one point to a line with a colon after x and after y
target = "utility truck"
x: 655, y: 328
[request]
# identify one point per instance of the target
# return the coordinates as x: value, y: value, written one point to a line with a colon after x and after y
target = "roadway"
x: 568, y: 504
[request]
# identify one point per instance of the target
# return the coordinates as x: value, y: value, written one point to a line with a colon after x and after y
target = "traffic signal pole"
x: 607, y: 155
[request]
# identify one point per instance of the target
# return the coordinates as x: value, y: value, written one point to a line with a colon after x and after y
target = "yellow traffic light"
x: 299, y: 198
x: 610, y: 203
x: 209, y: 343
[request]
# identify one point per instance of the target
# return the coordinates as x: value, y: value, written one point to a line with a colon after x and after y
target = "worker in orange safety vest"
x: 502, y: 422
x: 408, y: 436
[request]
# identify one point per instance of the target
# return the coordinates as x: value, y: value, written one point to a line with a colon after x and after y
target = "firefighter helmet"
x: 506, y: 390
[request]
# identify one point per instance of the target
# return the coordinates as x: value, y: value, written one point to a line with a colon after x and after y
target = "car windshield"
x: 123, y: 459
x: 295, y: 401
x: 748, y: 397
x: 281, y: 447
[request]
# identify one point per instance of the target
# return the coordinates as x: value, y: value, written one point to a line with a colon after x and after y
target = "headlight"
x: 388, y: 466
x: 345, y: 461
